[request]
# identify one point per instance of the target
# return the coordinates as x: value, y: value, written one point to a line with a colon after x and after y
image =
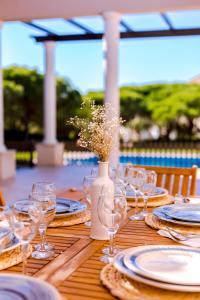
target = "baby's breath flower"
x: 97, y: 133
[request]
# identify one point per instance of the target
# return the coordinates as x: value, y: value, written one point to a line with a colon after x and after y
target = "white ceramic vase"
x: 98, y: 231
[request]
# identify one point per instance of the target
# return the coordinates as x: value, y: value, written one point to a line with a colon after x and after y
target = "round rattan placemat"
x: 155, y: 223
x: 12, y: 257
x: 126, y: 289
x: 75, y: 219
x: 152, y: 203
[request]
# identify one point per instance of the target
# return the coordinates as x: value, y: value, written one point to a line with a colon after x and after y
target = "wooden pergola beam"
x: 123, y: 35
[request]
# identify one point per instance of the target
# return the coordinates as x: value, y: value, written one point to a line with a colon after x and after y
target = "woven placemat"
x: 155, y: 223
x: 152, y: 203
x: 12, y: 257
x: 78, y: 218
x: 126, y: 289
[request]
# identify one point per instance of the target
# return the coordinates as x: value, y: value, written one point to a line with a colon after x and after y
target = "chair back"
x: 2, y: 200
x: 176, y: 180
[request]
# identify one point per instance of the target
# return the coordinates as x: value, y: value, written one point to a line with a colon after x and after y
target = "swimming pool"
x: 172, y: 161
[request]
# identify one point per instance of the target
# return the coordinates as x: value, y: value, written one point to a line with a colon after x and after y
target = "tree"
x: 172, y: 107
x: 23, y: 98
x: 68, y: 105
x: 175, y: 107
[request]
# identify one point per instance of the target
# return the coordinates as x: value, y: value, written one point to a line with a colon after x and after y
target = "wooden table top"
x: 76, y: 267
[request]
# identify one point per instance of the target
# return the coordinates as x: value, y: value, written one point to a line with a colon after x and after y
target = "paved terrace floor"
x: 64, y: 177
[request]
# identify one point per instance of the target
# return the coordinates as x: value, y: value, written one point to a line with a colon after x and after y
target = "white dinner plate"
x: 121, y: 267
x: 162, y: 213
x: 64, y: 207
x: 185, y: 212
x: 68, y: 207
x: 157, y: 193
x: 171, y: 264
x: 13, y: 243
x: 20, y: 287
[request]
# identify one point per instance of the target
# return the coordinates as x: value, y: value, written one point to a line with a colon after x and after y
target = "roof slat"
x: 80, y: 26
x: 126, y: 26
x: 49, y: 32
x: 167, y: 21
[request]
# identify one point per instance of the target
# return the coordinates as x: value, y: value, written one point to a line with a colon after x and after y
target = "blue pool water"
x: 185, y: 162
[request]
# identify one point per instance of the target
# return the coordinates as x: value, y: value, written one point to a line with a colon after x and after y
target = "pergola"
x: 50, y: 152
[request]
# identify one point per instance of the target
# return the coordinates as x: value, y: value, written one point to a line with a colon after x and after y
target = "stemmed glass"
x: 120, y: 192
x: 119, y: 174
x: 87, y: 184
x: 44, y: 194
x: 136, y: 179
x: 111, y: 215
x: 24, y: 224
x: 147, y: 188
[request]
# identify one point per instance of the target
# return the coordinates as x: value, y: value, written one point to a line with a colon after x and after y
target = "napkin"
x: 4, y: 224
x: 191, y: 241
x: 194, y: 200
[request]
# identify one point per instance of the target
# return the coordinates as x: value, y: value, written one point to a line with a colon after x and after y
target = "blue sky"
x: 141, y: 61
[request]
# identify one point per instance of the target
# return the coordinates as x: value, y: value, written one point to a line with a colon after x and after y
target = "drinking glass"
x: 44, y: 194
x: 24, y: 223
x: 147, y: 188
x: 111, y: 215
x: 120, y: 192
x: 119, y: 174
x: 136, y: 179
x: 87, y: 185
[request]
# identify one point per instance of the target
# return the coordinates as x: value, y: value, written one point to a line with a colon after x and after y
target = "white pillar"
x: 111, y: 45
x: 50, y: 152
x: 7, y: 157
x: 49, y: 95
x: 2, y: 144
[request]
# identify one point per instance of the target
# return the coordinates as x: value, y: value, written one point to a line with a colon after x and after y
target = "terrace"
x: 59, y: 207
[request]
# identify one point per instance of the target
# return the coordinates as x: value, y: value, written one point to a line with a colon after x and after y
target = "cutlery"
x: 180, y: 236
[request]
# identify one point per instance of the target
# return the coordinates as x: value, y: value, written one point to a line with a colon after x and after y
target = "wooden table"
x: 76, y: 266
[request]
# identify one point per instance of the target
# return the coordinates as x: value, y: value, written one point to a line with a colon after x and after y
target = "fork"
x: 179, y: 236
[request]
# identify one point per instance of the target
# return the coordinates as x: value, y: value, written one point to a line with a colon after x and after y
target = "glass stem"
x: 24, y: 248
x: 111, y: 244
x: 42, y: 232
x: 136, y: 202
x: 145, y: 203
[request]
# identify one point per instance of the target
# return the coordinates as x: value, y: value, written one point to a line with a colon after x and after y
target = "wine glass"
x: 24, y: 223
x: 147, y: 188
x: 136, y: 179
x: 87, y: 185
x: 44, y: 193
x: 111, y: 215
x: 120, y: 192
x: 119, y: 174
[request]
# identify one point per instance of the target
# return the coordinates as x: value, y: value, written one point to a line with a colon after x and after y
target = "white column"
x: 7, y: 157
x: 49, y: 95
x: 111, y: 45
x: 50, y: 152
x: 2, y: 144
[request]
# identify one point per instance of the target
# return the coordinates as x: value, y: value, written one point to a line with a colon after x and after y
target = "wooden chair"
x: 2, y: 200
x: 176, y: 180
